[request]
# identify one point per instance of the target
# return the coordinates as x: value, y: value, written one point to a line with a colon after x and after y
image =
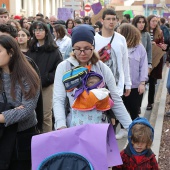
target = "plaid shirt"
x: 129, y: 162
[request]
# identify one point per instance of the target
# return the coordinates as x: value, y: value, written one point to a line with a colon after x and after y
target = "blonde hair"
x: 142, y: 133
x: 131, y: 34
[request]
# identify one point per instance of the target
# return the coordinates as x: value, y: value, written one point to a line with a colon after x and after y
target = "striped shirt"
x: 26, y: 117
x: 151, y: 35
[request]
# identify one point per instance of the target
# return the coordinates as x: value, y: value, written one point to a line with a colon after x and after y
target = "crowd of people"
x: 37, y: 53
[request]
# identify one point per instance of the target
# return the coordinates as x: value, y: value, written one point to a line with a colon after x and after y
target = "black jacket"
x: 47, y: 62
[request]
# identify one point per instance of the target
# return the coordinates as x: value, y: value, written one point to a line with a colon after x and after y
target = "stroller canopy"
x: 65, y: 161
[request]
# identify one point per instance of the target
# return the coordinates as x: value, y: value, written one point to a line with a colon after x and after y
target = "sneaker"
x: 149, y: 107
x: 121, y: 134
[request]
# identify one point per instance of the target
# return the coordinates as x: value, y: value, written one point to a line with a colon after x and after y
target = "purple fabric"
x: 97, y: 7
x: 82, y: 13
x: 84, y: 86
x: 96, y: 142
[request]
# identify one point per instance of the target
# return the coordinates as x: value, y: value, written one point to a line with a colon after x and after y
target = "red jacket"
x: 129, y: 162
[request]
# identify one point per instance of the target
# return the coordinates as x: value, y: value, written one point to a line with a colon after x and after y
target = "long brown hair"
x: 157, y: 30
x: 131, y: 34
x: 20, y: 69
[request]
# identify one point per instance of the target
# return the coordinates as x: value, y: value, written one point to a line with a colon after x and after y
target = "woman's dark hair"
x: 127, y: 16
x: 108, y: 12
x: 87, y: 18
x: 99, y: 24
x: 136, y: 20
x: 21, y: 71
x: 22, y: 22
x: 9, y: 29
x: 60, y: 30
x: 17, y: 24
x: 27, y: 33
x: 49, y: 44
x: 68, y: 22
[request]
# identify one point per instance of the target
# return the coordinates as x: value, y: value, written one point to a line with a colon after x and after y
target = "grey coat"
x: 146, y: 41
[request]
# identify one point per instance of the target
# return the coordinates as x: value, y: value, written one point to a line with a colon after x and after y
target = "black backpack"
x: 65, y: 161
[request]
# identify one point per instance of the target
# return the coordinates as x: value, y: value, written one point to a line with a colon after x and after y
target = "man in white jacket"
x: 118, y: 62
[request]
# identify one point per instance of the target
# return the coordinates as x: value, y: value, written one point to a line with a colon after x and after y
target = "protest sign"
x: 96, y: 8
x: 65, y: 13
x: 157, y: 54
x: 95, y: 142
x: 97, y: 17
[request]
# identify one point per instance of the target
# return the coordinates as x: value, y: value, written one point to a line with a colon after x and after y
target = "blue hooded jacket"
x: 139, y: 120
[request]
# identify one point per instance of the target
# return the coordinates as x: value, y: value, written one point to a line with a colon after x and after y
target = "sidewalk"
x: 156, y: 115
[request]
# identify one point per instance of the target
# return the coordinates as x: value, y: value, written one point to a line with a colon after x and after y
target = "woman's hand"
x: 167, y: 64
x: 153, y: 43
x: 141, y: 88
x: 163, y: 46
x: 2, y: 118
x: 19, y: 107
x: 127, y: 92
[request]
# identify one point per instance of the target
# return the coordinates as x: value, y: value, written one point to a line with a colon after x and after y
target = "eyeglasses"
x: 85, y: 51
x: 109, y: 19
x: 38, y: 30
x: 3, y: 16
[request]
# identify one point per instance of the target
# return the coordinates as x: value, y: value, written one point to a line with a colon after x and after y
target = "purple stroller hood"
x: 84, y: 84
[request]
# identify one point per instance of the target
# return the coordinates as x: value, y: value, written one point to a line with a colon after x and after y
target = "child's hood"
x: 139, y: 120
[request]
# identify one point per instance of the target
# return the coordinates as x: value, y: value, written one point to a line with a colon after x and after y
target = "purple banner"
x: 82, y: 13
x: 65, y: 13
x: 166, y: 15
x: 96, y: 142
x: 96, y: 8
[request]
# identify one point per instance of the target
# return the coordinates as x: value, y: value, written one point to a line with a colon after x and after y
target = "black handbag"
x: 7, y: 136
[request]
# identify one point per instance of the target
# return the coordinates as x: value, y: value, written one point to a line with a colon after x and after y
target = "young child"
x: 91, y: 100
x: 138, y: 153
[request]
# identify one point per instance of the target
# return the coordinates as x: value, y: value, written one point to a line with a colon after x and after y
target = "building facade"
x: 32, y: 7
x: 49, y: 7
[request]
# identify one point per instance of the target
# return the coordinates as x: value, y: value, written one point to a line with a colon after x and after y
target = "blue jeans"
x: 168, y: 82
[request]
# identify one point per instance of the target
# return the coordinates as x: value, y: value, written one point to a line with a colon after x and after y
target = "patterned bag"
x: 105, y: 52
x: 73, y: 78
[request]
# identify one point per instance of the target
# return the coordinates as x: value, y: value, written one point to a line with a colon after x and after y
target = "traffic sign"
x: 87, y: 7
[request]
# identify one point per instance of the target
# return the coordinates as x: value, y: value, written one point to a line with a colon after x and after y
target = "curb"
x: 160, y: 116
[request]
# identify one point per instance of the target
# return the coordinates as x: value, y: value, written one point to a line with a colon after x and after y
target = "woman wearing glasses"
x: 47, y: 56
x: 84, y: 55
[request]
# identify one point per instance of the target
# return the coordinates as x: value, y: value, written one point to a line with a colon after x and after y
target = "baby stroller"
x: 65, y: 161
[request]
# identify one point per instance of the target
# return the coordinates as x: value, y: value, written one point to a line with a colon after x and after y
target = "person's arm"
x: 119, y: 109
x: 149, y: 49
x: 59, y: 96
x: 126, y: 70
x: 143, y: 70
x: 154, y: 164
x: 22, y: 112
x: 48, y: 78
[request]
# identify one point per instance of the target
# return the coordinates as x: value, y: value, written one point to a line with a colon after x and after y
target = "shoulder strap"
x: 112, y: 38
